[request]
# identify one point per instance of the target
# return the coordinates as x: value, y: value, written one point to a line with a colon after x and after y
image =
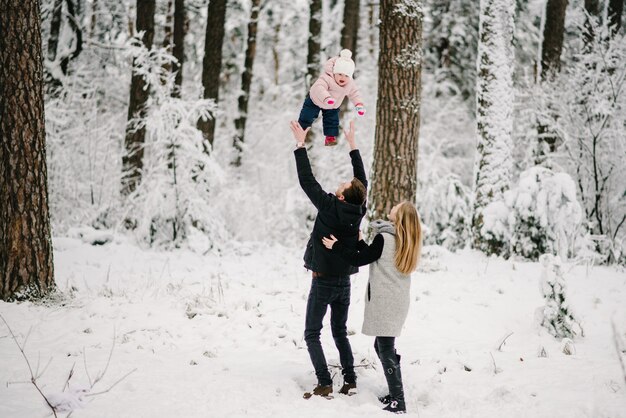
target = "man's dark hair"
x: 356, y: 193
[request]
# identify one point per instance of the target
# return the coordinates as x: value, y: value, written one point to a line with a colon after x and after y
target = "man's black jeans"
x: 325, y: 291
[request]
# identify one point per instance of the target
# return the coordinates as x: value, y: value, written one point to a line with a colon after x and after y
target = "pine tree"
x: 314, y: 42
x: 212, y: 64
x: 551, y: 48
x: 179, y: 45
x: 246, y: 82
x: 394, y: 174
x: 556, y: 316
x: 132, y: 161
x: 494, y: 102
x: 26, y: 267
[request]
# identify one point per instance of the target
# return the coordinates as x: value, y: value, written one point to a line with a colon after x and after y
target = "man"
x: 339, y: 214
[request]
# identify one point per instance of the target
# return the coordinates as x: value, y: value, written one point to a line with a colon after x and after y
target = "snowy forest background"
x: 172, y: 283
x: 569, y: 199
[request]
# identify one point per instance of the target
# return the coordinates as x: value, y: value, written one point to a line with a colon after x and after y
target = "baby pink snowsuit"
x: 326, y: 87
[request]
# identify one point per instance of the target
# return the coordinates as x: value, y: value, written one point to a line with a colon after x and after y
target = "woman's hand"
x: 329, y: 242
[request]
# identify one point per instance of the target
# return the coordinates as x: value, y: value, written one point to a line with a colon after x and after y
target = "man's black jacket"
x: 334, y: 216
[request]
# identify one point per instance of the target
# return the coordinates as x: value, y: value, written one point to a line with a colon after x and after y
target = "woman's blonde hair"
x: 408, y: 238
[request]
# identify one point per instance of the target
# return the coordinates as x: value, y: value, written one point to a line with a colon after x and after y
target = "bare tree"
x: 394, y: 175
x: 212, y: 64
x: 26, y: 265
x: 132, y: 160
x: 246, y: 82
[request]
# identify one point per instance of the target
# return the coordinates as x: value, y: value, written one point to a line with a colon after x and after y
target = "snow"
x: 221, y: 336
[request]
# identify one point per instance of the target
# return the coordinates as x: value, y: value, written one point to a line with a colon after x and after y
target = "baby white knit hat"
x: 344, y: 64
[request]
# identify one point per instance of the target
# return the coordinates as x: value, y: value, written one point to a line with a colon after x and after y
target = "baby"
x: 327, y: 94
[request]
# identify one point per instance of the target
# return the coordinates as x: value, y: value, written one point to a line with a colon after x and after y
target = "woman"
x: 394, y: 253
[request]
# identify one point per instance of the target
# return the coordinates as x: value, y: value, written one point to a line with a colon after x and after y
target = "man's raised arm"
x: 357, y: 162
x: 309, y: 184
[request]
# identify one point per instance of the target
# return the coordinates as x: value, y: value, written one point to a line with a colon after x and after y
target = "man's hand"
x: 299, y: 134
x: 350, y: 136
x: 329, y: 242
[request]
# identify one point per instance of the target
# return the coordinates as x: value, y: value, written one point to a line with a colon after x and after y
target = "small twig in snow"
x: 85, y: 364
x: 503, y: 342
x: 113, y: 385
x: 67, y: 382
x: 33, y: 379
x: 106, y: 367
x: 616, y: 340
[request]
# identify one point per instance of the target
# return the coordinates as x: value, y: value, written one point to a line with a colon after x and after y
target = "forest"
x: 162, y: 127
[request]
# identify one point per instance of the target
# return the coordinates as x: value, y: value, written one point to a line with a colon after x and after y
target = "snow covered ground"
x: 221, y: 336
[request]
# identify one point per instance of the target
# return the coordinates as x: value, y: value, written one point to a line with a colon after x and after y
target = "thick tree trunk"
x: 246, y: 82
x: 394, y: 174
x: 315, y: 43
x: 26, y: 267
x: 553, y: 37
x: 179, y: 45
x: 212, y: 64
x: 615, y: 10
x: 132, y: 161
x: 494, y: 99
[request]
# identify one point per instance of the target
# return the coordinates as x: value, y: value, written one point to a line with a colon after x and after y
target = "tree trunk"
x: 553, y: 37
x: 315, y: 43
x: 494, y: 99
x: 132, y: 161
x: 394, y: 174
x: 179, y: 45
x: 212, y: 64
x: 168, y: 33
x: 93, y: 21
x: 592, y: 7
x: 349, y: 34
x: 615, y: 10
x: 350, y: 28
x: 246, y: 82
x: 26, y: 265
x: 55, y: 28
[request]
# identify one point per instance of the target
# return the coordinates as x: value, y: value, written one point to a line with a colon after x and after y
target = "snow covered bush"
x: 556, y: 316
x: 584, y: 109
x: 544, y: 213
x: 444, y: 207
x: 173, y: 200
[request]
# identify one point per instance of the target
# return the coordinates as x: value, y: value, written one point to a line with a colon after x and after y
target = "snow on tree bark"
x: 132, y: 160
x: 26, y: 264
x: 394, y: 173
x: 494, y: 102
